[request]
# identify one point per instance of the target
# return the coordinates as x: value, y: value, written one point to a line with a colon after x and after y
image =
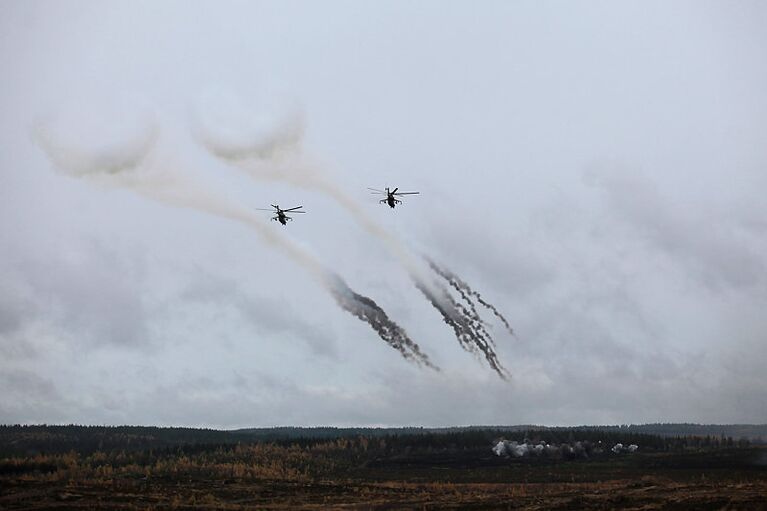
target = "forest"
x: 293, y: 468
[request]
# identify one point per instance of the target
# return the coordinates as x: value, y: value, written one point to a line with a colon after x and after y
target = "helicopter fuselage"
x: 280, y: 215
x: 390, y: 200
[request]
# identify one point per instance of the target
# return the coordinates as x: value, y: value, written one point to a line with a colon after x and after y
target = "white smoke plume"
x: 274, y: 154
x: 586, y: 449
x: 619, y: 448
x: 130, y: 161
x: 574, y: 450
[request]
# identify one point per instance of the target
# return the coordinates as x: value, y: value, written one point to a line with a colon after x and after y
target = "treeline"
x: 753, y: 432
x: 328, y: 432
x: 484, y: 439
x: 30, y: 441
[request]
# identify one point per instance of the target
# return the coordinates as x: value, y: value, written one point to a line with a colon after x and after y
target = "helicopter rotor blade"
x: 376, y: 190
x: 407, y: 193
x: 293, y: 209
x: 395, y: 191
x: 264, y: 209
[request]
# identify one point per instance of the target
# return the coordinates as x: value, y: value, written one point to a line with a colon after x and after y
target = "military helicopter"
x: 391, y: 196
x: 280, y: 215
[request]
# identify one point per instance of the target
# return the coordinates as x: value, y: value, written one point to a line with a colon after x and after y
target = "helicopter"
x: 391, y: 196
x: 281, y: 217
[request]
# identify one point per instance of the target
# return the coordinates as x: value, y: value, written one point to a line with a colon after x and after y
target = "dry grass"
x: 357, y: 474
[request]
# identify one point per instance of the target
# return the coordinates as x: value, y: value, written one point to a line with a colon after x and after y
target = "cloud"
x: 268, y: 316
x: 646, y: 279
x: 694, y: 235
x: 88, y: 293
x: 28, y: 397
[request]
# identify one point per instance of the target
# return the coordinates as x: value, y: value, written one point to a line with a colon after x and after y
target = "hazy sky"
x: 595, y: 169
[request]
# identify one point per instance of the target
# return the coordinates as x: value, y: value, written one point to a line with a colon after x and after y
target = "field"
x: 454, y: 470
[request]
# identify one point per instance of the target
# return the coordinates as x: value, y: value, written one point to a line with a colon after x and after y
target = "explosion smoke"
x: 574, y: 450
x: 274, y: 155
x: 127, y: 166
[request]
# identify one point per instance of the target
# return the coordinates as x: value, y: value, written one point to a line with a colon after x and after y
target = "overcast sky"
x: 596, y: 170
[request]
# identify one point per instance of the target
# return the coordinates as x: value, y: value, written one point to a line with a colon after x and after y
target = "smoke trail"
x: 367, y: 310
x: 471, y: 312
x: 466, y: 292
x: 274, y: 155
x: 128, y: 166
x: 472, y: 339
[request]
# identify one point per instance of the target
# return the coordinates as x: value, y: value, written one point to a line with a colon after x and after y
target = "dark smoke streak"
x: 367, y: 310
x: 472, y: 338
x: 472, y: 313
x: 466, y: 292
